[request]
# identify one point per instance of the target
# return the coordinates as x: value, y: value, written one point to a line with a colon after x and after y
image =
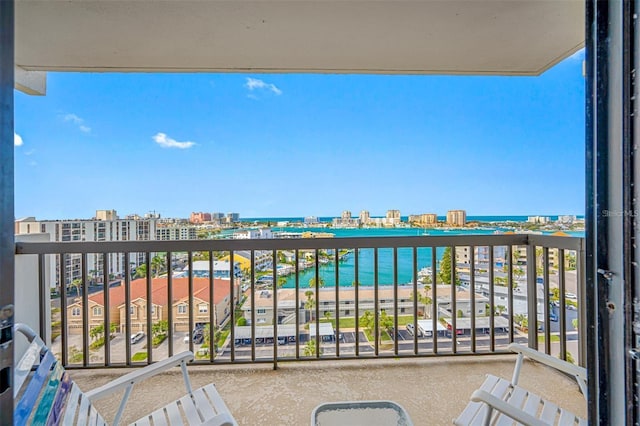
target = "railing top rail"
x: 570, y: 243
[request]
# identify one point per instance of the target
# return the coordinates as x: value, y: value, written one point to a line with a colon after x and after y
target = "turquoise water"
x: 386, y: 273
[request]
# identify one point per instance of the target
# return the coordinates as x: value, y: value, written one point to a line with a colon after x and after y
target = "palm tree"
x: 312, y: 282
x: 141, y: 271
x: 77, y: 283
x: 157, y: 265
x: 424, y: 299
x: 310, y: 303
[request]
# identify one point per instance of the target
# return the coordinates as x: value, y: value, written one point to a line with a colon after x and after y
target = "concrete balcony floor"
x: 432, y: 390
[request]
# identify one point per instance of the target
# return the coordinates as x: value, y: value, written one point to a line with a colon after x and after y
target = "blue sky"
x: 272, y: 145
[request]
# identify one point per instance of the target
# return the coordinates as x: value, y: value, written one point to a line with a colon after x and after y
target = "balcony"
x: 371, y: 316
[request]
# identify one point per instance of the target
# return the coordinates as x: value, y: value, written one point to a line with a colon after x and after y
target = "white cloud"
x: 72, y: 118
x: 166, y: 142
x: 257, y: 84
x: 17, y: 139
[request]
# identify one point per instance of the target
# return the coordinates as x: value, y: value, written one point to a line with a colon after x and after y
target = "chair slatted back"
x: 48, y: 396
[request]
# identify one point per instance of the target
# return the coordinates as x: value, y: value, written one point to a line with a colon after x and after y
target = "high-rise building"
x: 392, y: 218
x: 346, y: 221
x: 365, y: 217
x: 106, y: 215
x: 92, y: 230
x: 200, y: 217
x: 424, y: 219
x: 311, y: 220
x: 538, y: 219
x: 176, y: 232
x: 232, y: 217
x: 456, y: 218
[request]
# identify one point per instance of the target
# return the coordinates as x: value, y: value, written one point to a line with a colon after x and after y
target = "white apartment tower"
x: 456, y: 218
x: 109, y: 229
x: 365, y: 217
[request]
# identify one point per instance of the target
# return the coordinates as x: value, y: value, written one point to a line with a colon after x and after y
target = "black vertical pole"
x: 7, y: 243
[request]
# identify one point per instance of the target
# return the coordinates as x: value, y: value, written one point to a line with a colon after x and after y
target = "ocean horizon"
x: 486, y: 219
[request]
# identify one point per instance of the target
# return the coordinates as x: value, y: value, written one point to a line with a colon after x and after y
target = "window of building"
x: 97, y: 311
x: 182, y: 308
x: 75, y: 312
x: 347, y: 312
x: 132, y: 311
x: 261, y: 311
x: 203, y: 308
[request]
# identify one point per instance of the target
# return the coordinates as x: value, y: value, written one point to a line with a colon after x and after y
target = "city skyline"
x: 290, y: 145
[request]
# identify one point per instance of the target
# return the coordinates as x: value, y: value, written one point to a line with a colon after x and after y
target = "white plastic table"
x: 360, y: 413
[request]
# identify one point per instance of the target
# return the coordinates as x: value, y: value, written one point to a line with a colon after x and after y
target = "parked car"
x: 410, y: 329
x: 571, y: 296
x: 137, y: 337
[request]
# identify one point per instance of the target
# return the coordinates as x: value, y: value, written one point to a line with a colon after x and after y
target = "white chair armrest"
x: 509, y: 410
x: 139, y: 375
x: 549, y: 360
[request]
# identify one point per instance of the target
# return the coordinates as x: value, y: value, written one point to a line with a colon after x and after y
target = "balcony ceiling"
x: 509, y: 37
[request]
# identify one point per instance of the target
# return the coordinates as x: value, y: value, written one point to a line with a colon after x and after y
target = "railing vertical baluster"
x: 45, y: 296
x: 532, y: 297
x: 232, y: 310
x: 414, y: 253
x: 85, y: 311
x: 149, y: 293
x: 545, y: 297
x: 297, y: 288
x: 395, y: 300
x: 509, y: 258
x: 62, y: 272
x: 212, y: 304
x: 472, y: 294
x: 492, y: 300
x: 454, y: 305
x: 376, y: 304
x: 336, y: 272
x: 582, y: 304
x: 274, y: 277
x: 563, y: 307
x: 357, y: 298
x: 107, y: 312
x: 434, y: 300
x: 190, y: 296
x: 170, y: 301
x: 253, y: 305
x: 317, y: 307
x: 127, y: 309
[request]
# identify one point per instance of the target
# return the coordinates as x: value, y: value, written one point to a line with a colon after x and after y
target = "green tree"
x: 310, y: 348
x: 157, y: 265
x: 327, y: 315
x: 425, y: 300
x: 160, y: 327
x: 241, y: 321
x: 96, y: 331
x: 385, y: 322
x: 310, y: 303
x: 445, y: 268
x: 312, y: 282
x: 500, y: 309
x: 77, y: 283
x: 367, y: 321
x: 282, y: 281
x: 141, y: 271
